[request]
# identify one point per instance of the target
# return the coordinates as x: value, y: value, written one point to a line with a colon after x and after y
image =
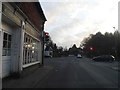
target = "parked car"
x: 104, y: 58
x: 79, y: 56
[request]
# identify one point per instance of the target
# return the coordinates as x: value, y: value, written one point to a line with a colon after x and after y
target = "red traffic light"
x: 91, y: 48
x: 46, y: 34
x: 46, y: 37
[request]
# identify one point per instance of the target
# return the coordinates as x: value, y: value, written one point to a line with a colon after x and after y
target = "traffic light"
x: 91, y: 48
x: 46, y: 37
x: 47, y: 34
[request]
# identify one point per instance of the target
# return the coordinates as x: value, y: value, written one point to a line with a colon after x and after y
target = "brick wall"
x: 34, y: 12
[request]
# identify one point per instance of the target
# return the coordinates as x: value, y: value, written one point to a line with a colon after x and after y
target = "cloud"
x: 69, y: 22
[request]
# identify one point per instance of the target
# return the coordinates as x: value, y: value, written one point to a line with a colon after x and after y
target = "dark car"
x: 104, y: 58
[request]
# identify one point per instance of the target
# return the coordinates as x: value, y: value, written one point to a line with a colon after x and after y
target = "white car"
x: 79, y: 56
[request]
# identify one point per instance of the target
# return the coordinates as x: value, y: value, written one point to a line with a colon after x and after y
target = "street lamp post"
x: 115, y: 43
x: 43, y: 48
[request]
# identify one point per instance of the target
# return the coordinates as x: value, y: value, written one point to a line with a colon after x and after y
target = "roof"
x: 41, y: 11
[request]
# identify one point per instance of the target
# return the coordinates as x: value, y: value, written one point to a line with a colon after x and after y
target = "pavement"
x: 66, y: 72
x: 28, y: 78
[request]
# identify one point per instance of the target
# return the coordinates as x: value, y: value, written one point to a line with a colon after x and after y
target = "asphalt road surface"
x: 72, y: 72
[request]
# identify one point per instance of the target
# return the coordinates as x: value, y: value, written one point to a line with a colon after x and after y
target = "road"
x: 67, y: 72
x: 72, y: 72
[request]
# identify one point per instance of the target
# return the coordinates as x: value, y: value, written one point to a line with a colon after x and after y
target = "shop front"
x: 21, y: 41
x: 32, y: 48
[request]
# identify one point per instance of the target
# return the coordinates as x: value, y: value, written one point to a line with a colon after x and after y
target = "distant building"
x: 20, y: 36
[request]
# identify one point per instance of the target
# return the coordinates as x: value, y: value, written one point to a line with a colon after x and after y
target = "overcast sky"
x: 70, y: 21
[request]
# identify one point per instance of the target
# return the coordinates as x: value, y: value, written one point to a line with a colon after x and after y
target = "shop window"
x: 6, y: 45
x: 30, y: 52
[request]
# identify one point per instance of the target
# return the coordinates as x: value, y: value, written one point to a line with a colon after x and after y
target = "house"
x: 20, y: 36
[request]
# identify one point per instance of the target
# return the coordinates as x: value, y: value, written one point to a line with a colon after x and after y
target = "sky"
x: 70, y: 21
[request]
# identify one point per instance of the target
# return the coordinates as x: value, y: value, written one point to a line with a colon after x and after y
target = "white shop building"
x: 20, y: 36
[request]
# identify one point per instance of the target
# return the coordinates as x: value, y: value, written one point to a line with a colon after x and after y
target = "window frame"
x: 6, y: 50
